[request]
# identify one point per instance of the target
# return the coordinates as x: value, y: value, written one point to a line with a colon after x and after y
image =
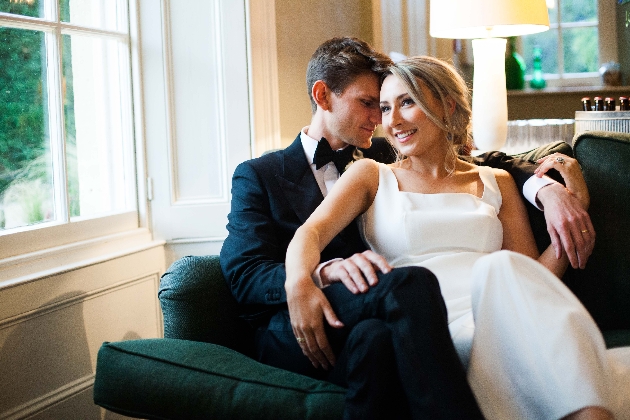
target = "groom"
x: 381, y: 333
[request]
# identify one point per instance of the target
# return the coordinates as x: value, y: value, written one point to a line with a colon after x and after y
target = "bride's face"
x: 406, y: 125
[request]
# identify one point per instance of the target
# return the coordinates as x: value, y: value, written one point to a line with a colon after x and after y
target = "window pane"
x: 548, y: 42
x: 32, y: 8
x: 95, y: 13
x: 579, y: 10
x: 26, y: 188
x: 553, y: 11
x: 580, y: 47
x: 96, y: 126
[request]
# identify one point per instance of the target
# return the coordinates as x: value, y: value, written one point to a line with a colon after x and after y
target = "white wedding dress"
x: 532, y: 351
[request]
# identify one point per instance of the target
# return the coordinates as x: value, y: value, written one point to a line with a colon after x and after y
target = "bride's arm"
x: 352, y: 195
x: 517, y: 232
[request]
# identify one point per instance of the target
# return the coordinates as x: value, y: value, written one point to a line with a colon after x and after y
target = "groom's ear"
x: 321, y: 95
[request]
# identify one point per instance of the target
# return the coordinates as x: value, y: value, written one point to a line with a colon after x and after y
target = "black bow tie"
x: 324, y: 154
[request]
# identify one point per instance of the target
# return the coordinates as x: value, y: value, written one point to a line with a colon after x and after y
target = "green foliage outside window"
x: 23, y: 131
x: 580, y: 46
x: 25, y: 158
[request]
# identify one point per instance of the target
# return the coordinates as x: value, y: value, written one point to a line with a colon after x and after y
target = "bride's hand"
x: 308, y: 307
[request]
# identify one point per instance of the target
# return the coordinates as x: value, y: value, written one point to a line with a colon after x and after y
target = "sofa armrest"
x: 197, y: 305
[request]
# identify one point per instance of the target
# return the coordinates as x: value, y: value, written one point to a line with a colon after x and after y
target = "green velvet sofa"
x: 201, y: 368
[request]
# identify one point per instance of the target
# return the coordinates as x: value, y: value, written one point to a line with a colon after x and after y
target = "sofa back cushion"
x: 604, y: 286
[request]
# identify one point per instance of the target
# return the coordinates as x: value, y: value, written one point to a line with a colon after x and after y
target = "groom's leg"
x: 409, y: 302
x: 367, y: 367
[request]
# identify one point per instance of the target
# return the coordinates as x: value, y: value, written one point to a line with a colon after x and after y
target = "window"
x: 573, y: 48
x: 66, y: 138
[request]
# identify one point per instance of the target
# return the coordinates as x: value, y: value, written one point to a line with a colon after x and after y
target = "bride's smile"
x: 404, y: 135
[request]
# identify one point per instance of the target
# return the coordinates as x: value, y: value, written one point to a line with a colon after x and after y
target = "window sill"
x: 31, y: 239
x: 48, y: 262
x: 586, y: 90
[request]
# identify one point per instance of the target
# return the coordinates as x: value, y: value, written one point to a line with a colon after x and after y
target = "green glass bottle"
x: 514, y: 67
x: 537, y: 81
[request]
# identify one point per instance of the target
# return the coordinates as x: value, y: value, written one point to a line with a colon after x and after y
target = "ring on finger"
x: 560, y: 160
x: 300, y: 339
x: 585, y: 231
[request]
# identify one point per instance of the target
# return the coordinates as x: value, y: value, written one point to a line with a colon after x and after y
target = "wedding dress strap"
x: 491, y: 191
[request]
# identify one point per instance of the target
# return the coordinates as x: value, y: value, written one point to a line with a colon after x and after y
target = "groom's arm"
x: 520, y: 169
x: 252, y: 255
x: 563, y: 213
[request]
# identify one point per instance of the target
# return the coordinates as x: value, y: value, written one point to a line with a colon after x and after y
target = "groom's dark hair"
x: 339, y: 61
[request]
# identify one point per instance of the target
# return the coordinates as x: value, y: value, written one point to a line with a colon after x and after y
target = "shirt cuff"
x: 317, y: 279
x: 533, y: 185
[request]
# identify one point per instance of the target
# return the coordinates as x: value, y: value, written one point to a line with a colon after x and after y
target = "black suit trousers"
x: 401, y: 324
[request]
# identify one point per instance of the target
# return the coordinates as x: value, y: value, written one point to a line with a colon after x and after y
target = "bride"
x: 530, y: 348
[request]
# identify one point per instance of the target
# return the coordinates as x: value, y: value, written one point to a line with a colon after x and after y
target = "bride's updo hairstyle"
x: 448, y: 87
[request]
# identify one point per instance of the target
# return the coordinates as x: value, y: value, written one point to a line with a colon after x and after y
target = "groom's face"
x: 355, y: 113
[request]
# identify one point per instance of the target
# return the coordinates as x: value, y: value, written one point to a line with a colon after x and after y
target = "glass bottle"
x: 537, y: 81
x: 514, y: 67
x: 609, y: 104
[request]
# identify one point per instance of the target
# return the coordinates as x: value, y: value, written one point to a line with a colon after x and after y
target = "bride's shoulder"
x: 505, y: 182
x: 501, y: 175
x: 362, y: 168
x: 362, y: 174
x: 365, y: 164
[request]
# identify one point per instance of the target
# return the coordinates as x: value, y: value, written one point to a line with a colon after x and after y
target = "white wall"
x: 301, y: 26
x: 58, y: 307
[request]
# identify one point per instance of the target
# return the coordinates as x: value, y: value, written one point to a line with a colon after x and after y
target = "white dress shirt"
x: 327, y: 175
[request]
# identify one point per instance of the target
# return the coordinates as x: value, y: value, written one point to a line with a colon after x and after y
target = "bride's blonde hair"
x: 448, y: 87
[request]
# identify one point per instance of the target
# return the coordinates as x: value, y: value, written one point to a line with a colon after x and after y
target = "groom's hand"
x: 568, y: 222
x: 357, y: 273
x: 308, y: 307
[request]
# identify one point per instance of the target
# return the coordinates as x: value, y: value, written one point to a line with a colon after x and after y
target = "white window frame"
x: 607, y: 46
x: 25, y: 242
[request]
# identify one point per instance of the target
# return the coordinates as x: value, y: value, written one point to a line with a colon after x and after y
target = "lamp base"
x: 489, y: 100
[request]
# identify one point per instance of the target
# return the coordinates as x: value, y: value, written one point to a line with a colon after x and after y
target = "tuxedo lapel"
x: 302, y: 193
x: 298, y: 183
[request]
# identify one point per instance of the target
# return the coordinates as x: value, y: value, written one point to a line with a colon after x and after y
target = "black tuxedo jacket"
x: 271, y: 197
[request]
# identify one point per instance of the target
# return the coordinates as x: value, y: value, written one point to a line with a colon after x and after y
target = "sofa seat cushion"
x: 171, y: 379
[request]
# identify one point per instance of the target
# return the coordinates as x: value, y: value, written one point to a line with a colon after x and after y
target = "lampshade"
x: 483, y: 21
x: 468, y: 19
